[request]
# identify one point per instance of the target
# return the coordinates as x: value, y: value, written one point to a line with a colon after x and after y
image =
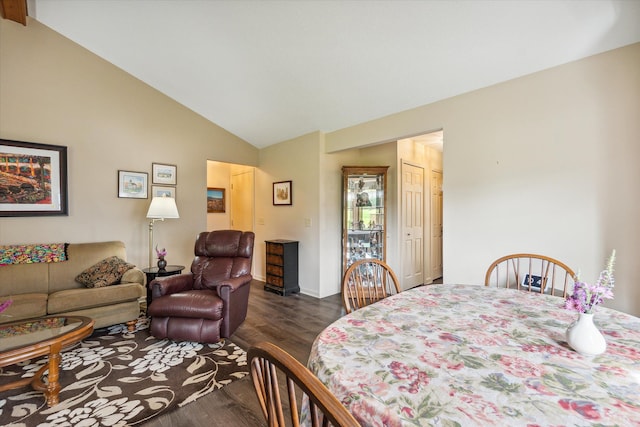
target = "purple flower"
x: 585, y: 297
x: 5, y: 304
x: 573, y: 304
x: 161, y: 252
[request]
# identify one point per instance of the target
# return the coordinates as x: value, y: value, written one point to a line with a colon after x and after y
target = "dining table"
x: 472, y: 355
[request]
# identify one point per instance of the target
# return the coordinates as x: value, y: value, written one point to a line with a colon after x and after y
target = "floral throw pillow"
x: 107, y: 272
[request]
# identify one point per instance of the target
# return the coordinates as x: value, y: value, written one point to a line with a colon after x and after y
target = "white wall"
x: 545, y: 163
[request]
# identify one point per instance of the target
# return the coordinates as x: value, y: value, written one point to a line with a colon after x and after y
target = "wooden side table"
x: 153, y: 272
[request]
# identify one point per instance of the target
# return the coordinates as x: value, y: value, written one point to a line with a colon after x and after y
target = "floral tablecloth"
x: 460, y: 355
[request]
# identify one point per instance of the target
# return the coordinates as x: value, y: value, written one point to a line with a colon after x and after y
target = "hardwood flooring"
x: 291, y: 322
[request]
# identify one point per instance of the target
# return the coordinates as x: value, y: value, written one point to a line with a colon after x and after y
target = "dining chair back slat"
x: 267, y: 361
x: 367, y: 281
x: 531, y: 273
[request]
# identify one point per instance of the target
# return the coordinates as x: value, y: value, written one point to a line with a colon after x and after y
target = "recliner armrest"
x: 235, y: 295
x: 232, y: 284
x: 171, y: 284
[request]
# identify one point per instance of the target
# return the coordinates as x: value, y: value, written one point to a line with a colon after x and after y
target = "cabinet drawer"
x: 274, y: 280
x: 275, y: 269
x: 273, y: 248
x: 274, y: 259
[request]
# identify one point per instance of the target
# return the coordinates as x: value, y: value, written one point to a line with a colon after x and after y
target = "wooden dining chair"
x: 267, y: 362
x: 367, y: 281
x: 531, y: 273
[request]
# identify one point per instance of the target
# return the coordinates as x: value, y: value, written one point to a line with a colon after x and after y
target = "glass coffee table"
x: 43, y: 336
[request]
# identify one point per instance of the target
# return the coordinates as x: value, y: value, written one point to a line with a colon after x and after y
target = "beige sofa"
x: 40, y: 289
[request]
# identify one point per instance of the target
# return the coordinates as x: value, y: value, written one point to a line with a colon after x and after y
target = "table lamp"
x: 159, y: 209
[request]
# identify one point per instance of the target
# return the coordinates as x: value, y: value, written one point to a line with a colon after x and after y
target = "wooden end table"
x: 27, y: 339
x: 154, y: 272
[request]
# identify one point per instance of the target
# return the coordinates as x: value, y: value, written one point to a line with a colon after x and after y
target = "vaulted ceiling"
x: 269, y: 71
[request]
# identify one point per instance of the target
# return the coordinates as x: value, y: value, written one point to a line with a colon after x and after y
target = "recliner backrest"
x: 220, y: 255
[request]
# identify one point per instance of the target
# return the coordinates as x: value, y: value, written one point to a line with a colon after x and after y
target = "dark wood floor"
x: 291, y: 322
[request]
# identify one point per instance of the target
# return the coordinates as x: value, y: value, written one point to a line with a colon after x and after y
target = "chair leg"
x: 131, y: 325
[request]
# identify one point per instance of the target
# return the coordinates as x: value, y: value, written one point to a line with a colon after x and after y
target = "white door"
x: 242, y: 201
x: 412, y: 189
x: 436, y: 224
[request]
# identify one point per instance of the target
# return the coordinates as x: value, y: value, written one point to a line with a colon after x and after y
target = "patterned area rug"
x: 120, y: 378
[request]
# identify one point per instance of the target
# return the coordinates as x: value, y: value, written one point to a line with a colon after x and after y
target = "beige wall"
x: 546, y: 163
x: 317, y: 196
x: 296, y: 160
x: 53, y: 91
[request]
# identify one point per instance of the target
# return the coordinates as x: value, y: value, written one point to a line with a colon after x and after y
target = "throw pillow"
x: 107, y: 272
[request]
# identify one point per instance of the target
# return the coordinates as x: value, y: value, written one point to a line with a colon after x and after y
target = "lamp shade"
x: 162, y: 208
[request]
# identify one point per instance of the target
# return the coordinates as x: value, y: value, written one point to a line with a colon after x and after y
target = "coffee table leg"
x: 52, y: 388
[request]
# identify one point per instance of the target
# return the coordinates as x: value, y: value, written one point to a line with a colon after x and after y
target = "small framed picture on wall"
x: 215, y: 200
x: 282, y: 193
x: 132, y: 185
x: 161, y: 190
x: 164, y: 174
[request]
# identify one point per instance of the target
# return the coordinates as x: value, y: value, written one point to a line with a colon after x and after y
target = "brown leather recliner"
x: 211, y: 301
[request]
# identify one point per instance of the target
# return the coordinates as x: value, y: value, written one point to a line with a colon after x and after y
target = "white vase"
x: 584, y: 337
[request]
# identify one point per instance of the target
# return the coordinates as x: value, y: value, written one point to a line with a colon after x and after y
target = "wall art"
x: 132, y: 185
x: 33, y: 179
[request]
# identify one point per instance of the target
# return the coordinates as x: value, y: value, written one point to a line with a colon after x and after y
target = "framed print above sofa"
x: 33, y: 179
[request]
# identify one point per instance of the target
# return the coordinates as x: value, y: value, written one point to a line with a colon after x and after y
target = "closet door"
x: 242, y: 201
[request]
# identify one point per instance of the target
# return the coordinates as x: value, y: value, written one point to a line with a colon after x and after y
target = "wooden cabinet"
x: 282, y: 266
x: 364, y: 220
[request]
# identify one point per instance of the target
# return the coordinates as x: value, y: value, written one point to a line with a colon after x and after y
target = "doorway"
x: 238, y: 183
x: 241, y: 200
x: 420, y: 209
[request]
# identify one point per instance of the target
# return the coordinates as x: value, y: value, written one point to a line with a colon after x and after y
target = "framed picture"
x: 33, y: 179
x: 132, y: 185
x: 161, y: 190
x: 164, y: 174
x: 215, y: 200
x: 534, y: 281
x: 282, y: 193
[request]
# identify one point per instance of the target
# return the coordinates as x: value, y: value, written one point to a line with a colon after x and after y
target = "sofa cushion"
x: 82, y: 298
x: 135, y: 275
x: 24, y: 279
x: 107, y: 272
x: 109, y: 314
x: 24, y: 306
x: 62, y: 275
